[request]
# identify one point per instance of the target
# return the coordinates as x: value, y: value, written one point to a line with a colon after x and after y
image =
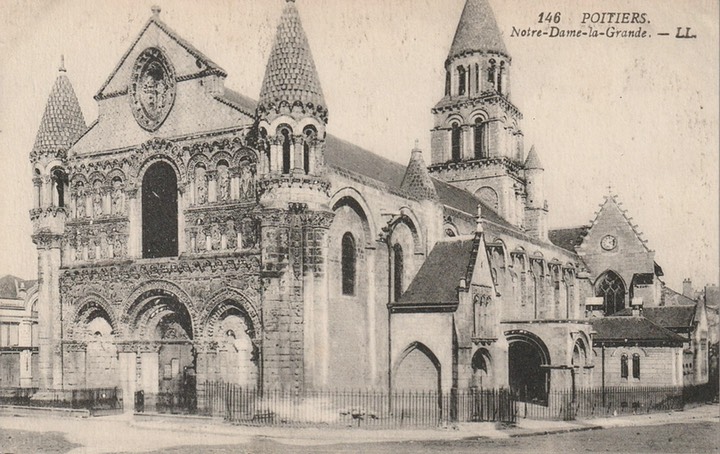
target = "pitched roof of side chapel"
x: 450, y: 260
x: 568, y: 238
x: 667, y: 316
x: 622, y: 329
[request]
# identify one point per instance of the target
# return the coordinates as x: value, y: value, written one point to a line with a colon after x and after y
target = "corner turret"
x: 536, y: 209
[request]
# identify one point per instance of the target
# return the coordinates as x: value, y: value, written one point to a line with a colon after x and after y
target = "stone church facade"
x: 191, y: 233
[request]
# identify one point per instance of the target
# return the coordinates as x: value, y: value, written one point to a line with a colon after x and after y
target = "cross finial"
x: 156, y: 10
x: 62, y: 64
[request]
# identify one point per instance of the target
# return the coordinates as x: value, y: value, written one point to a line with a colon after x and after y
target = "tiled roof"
x: 477, y: 31
x: 290, y: 74
x: 638, y: 329
x: 438, y: 278
x: 417, y: 181
x: 533, y: 160
x: 666, y: 316
x: 569, y: 238
x: 63, y: 122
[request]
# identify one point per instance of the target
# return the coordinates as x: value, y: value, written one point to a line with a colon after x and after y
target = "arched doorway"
x: 163, y: 327
x: 98, y: 367
x: 528, y: 359
x: 159, y: 211
x: 417, y: 369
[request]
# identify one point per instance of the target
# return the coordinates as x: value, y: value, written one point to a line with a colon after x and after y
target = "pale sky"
x: 640, y: 115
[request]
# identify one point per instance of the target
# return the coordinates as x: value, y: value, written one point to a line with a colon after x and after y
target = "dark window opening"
x: 501, y: 77
x: 286, y: 149
x: 491, y: 73
x: 60, y: 182
x: 456, y: 135
x: 462, y: 81
x: 398, y: 271
x: 159, y: 212
x: 636, y: 366
x: 477, y: 78
x: 447, y: 83
x: 612, y: 290
x: 624, y: 366
x: 480, y: 129
x: 310, y: 135
x: 348, y: 259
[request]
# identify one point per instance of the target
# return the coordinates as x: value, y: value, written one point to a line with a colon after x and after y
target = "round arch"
x: 143, y: 297
x: 528, y: 358
x: 348, y: 196
x: 227, y: 301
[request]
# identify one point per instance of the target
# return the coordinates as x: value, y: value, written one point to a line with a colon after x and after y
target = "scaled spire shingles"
x: 417, y: 182
x: 533, y: 160
x: 63, y: 122
x: 290, y: 74
x: 477, y: 31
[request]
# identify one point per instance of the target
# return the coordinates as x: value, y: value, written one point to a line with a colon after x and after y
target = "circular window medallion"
x: 608, y: 242
x: 152, y: 89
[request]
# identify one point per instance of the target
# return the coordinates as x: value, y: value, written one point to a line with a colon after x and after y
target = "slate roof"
x: 9, y: 285
x: 666, y: 316
x: 477, y: 31
x: 345, y: 155
x: 631, y: 329
x: 62, y: 122
x: 568, y: 238
x: 438, y: 278
x: 417, y: 181
x: 290, y: 74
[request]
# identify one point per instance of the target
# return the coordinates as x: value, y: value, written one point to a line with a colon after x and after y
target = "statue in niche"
x: 201, y: 184
x: 97, y: 202
x: 78, y: 251
x: 223, y: 179
x: 118, y: 246
x: 118, y: 198
x: 215, y: 238
x: 247, y: 189
x: 91, y: 250
x: 231, y: 236
x: 80, y: 204
x: 103, y: 247
x: 248, y: 234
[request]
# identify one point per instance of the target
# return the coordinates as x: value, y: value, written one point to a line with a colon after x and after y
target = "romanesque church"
x: 191, y: 233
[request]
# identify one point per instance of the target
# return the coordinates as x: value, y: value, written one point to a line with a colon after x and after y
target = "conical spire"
x: 477, y: 31
x: 416, y: 181
x: 533, y: 160
x: 63, y: 122
x: 290, y: 75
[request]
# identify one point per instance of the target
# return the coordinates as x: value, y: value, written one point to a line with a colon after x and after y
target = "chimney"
x: 688, y: 288
x: 637, y: 306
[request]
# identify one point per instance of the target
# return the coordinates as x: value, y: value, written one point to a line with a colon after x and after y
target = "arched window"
x: 159, y: 212
x: 60, y: 182
x: 612, y: 290
x: 624, y: 366
x: 398, y: 270
x: 455, y: 136
x: 636, y: 366
x: 491, y: 73
x: 310, y: 134
x: 348, y: 259
x: 286, y: 149
x: 480, y: 129
x: 462, y: 80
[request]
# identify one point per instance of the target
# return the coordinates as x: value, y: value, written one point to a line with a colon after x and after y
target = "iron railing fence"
x: 360, y: 408
x: 93, y: 399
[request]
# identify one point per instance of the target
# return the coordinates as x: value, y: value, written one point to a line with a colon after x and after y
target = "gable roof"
x: 667, y: 316
x: 62, y: 122
x: 203, y: 61
x: 435, y: 284
x: 672, y: 298
x: 477, y: 31
x: 611, y: 200
x: 632, y: 329
x: 568, y: 238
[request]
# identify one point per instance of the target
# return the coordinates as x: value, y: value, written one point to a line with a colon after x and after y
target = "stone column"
x: 212, y: 185
x: 468, y: 148
x: 297, y: 154
x: 372, y: 330
x: 127, y: 373
x: 135, y: 233
x: 48, y: 307
x: 149, y: 379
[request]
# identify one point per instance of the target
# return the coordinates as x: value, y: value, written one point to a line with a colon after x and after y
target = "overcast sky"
x: 640, y: 115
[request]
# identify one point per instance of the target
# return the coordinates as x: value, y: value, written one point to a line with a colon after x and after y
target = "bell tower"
x: 477, y: 143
